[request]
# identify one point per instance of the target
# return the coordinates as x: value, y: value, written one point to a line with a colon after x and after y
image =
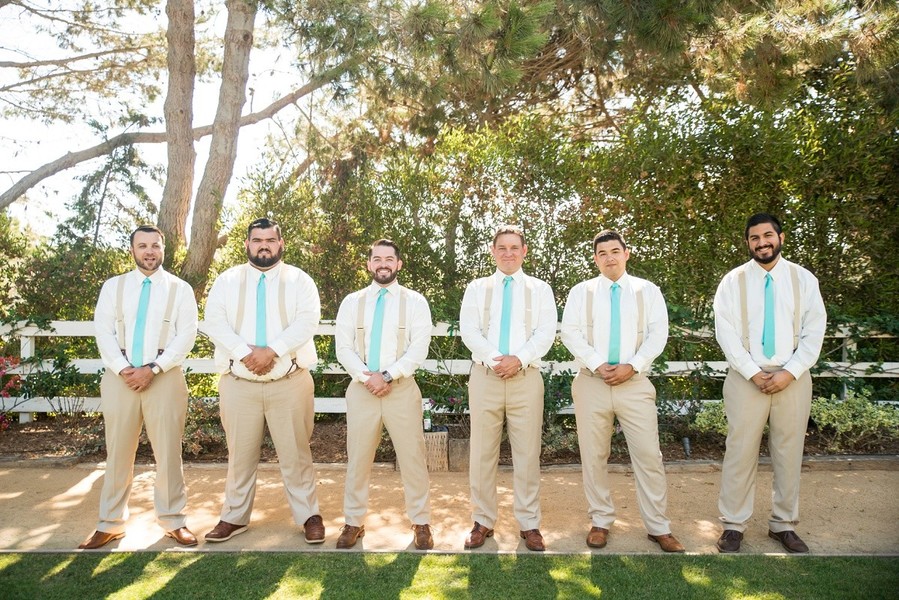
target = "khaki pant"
x: 748, y: 410
x: 596, y: 405
x: 162, y: 408
x: 287, y: 406
x: 520, y: 401
x: 401, y: 412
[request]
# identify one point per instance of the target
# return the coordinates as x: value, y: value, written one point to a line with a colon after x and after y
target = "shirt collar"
x: 392, y: 289
x: 517, y: 275
x: 156, y: 277
x: 759, y: 271
x: 606, y: 283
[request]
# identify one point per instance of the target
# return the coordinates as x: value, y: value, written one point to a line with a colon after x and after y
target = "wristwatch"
x: 387, y: 376
x: 155, y: 368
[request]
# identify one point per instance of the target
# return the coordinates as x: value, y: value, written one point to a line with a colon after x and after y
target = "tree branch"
x: 72, y: 159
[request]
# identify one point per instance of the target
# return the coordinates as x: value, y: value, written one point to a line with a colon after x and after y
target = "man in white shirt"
x: 146, y: 323
x: 262, y: 316
x: 769, y: 321
x: 383, y: 333
x: 508, y: 321
x: 615, y: 325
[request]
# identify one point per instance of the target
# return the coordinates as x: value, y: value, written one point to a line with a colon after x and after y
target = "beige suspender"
x: 744, y: 306
x: 360, y: 325
x: 120, y: 317
x: 528, y: 306
x: 641, y: 315
x: 794, y: 278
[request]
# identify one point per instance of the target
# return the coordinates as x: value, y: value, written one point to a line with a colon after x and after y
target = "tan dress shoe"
x: 183, y: 536
x: 224, y: 531
x: 423, y: 538
x: 100, y: 539
x: 533, y: 540
x: 349, y: 535
x: 667, y: 542
x: 478, y: 536
x: 597, y: 537
x: 314, y: 530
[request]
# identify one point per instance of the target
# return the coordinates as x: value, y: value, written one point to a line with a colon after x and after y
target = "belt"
x: 288, y: 375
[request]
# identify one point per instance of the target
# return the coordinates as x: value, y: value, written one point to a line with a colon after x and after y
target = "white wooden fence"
x: 29, y: 334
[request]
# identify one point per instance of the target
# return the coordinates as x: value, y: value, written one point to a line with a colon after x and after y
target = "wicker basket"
x: 436, y: 443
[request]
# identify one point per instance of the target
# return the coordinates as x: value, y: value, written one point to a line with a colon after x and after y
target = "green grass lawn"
x: 375, y: 576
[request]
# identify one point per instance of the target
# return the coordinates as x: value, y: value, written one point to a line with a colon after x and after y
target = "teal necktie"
x: 505, y: 323
x: 261, y: 324
x: 615, y: 326
x: 768, y: 331
x: 140, y: 324
x: 377, y: 325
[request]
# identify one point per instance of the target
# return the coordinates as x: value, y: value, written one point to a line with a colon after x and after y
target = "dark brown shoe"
x: 183, y: 536
x: 314, y: 529
x: 224, y: 531
x: 348, y: 536
x: 100, y: 539
x: 667, y: 542
x: 729, y: 541
x: 478, y: 536
x: 533, y: 540
x: 598, y: 537
x: 423, y: 538
x: 791, y: 541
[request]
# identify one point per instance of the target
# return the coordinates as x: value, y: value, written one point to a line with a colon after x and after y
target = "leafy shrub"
x: 855, y: 423
x: 711, y: 418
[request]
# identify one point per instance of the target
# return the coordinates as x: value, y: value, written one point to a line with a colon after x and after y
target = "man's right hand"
x: 760, y: 380
x: 260, y: 360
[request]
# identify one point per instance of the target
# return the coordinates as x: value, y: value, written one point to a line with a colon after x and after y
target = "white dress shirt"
x: 528, y: 346
x: 182, y: 332
x: 233, y: 340
x: 655, y: 330
x: 729, y: 327
x: 418, y: 331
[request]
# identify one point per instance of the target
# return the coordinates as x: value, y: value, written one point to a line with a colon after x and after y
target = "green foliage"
x: 711, y: 418
x: 203, y: 430
x: 855, y: 423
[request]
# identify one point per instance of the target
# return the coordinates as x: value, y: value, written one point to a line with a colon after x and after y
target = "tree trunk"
x: 238, y: 42
x: 178, y: 111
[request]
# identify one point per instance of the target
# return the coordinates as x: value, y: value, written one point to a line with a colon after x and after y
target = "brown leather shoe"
x: 729, y: 541
x: 314, y: 529
x: 789, y: 539
x: 533, y: 540
x: 667, y: 542
x: 100, y: 539
x: 183, y: 536
x: 224, y: 531
x: 478, y: 536
x: 598, y: 537
x: 348, y: 536
x: 423, y: 538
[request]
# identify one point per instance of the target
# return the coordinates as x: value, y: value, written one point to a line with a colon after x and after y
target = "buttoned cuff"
x: 280, y: 348
x: 749, y: 370
x: 241, y: 352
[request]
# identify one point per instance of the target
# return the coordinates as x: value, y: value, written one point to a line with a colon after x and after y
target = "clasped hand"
x: 260, y: 360
x: 774, y: 382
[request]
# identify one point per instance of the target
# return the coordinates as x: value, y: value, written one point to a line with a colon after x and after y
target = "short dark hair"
x: 608, y: 235
x: 387, y: 243
x: 263, y: 223
x: 513, y: 229
x: 147, y: 229
x: 758, y: 219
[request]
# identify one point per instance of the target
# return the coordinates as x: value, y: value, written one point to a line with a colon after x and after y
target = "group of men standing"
x: 262, y: 316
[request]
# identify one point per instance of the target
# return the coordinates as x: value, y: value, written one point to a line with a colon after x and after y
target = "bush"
x: 711, y: 418
x: 855, y: 423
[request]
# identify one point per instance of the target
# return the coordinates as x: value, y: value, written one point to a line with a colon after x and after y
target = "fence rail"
x: 28, y: 336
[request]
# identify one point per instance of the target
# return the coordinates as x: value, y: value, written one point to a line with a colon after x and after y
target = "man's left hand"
x: 138, y: 378
x: 376, y: 385
x: 507, y: 366
x: 778, y: 382
x: 616, y: 374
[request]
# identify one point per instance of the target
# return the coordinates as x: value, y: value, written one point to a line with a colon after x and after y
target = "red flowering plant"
x: 9, y: 385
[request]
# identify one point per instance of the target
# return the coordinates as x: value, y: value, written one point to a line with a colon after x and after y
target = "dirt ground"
x: 849, y: 507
